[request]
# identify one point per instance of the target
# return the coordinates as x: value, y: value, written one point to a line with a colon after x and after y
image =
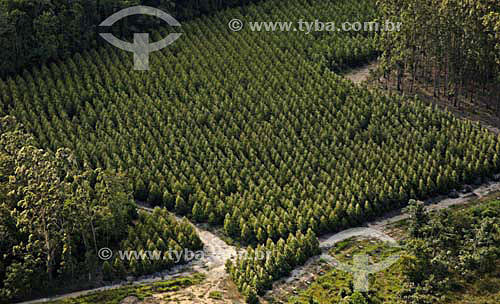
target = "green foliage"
x: 451, y: 45
x: 216, y: 295
x: 54, y: 217
x: 142, y: 291
x: 358, y: 298
x: 442, y: 264
x: 336, y: 286
x: 451, y: 249
x: 282, y: 145
x: 40, y: 31
x: 153, y: 236
x: 248, y: 130
x: 418, y: 218
x: 107, y: 272
x: 256, y: 271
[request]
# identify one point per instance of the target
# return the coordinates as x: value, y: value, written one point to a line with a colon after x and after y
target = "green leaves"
x: 255, y: 272
x: 54, y: 217
x: 247, y: 130
x: 156, y: 232
x: 448, y: 249
x: 449, y: 45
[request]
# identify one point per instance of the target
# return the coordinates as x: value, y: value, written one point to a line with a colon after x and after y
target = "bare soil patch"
x: 303, y: 276
x: 482, y: 109
x: 361, y: 74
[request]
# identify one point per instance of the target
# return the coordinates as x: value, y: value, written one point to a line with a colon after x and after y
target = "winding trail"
x: 307, y: 272
x: 217, y: 252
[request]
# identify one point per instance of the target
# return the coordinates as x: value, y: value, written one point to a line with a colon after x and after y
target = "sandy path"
x: 216, y: 253
x: 305, y: 274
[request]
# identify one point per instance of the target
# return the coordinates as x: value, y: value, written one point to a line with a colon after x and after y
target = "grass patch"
x: 142, y: 291
x: 385, y: 286
x: 216, y: 295
x: 336, y: 284
x: 484, y: 290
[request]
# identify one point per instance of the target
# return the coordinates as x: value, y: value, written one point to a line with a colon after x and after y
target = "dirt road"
x: 302, y: 276
x: 216, y: 253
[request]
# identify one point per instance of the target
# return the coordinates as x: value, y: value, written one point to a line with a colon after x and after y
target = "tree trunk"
x: 414, y: 74
x: 400, y: 76
x: 446, y: 79
x: 498, y: 96
x: 93, y: 235
x: 48, y: 251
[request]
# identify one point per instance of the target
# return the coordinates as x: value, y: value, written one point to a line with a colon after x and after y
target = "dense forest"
x: 450, y: 250
x: 34, y: 31
x: 253, y: 274
x: 446, y: 256
x: 55, y: 217
x: 217, y: 150
x: 452, y: 47
x: 254, y: 133
x: 280, y: 146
